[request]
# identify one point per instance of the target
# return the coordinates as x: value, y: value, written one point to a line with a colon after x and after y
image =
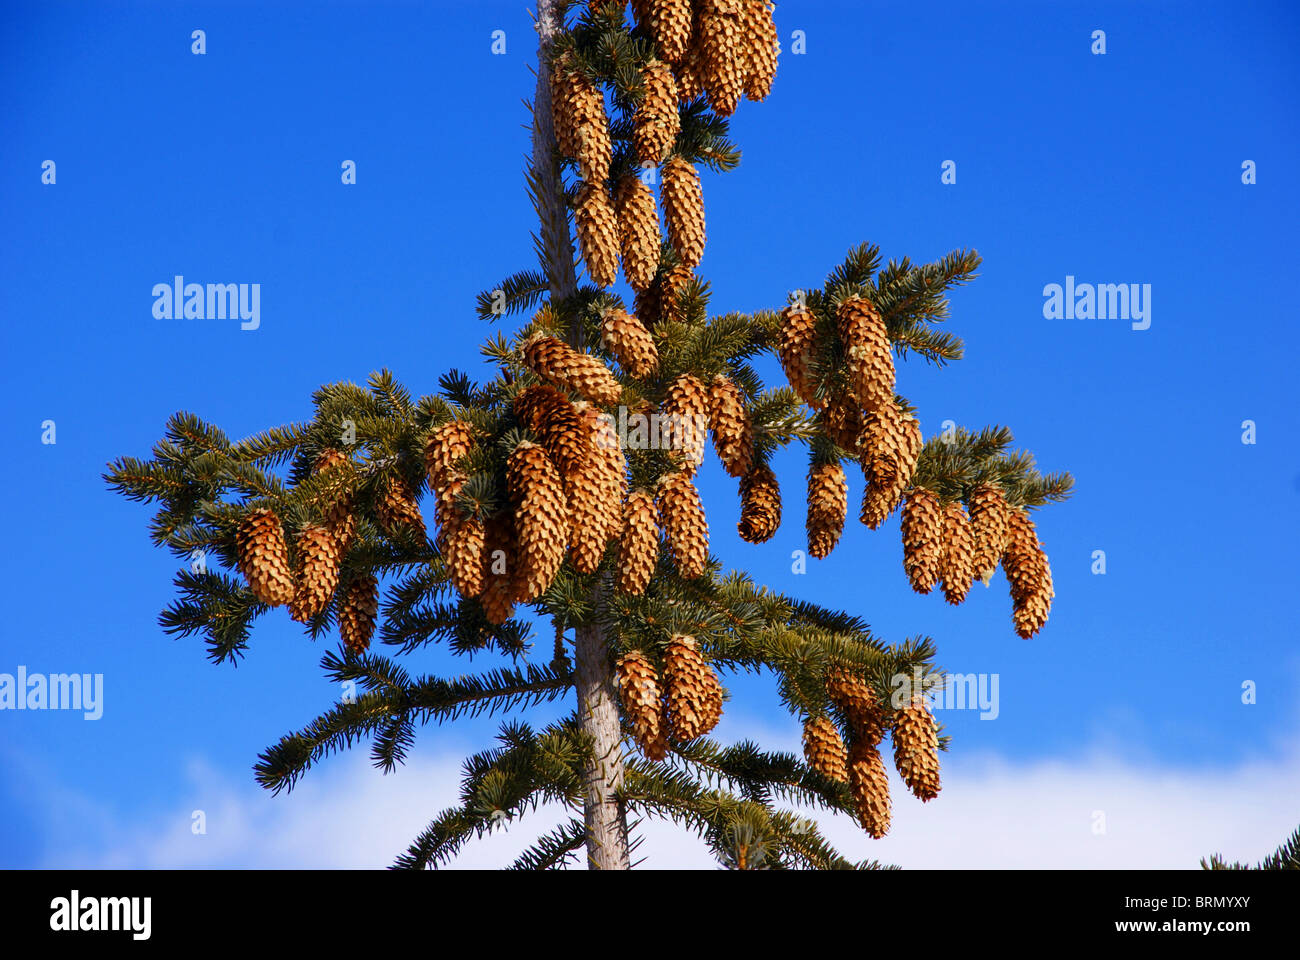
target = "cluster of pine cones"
x: 308, y: 586
x: 687, y: 704
x: 916, y: 749
x: 941, y: 543
x: 724, y: 48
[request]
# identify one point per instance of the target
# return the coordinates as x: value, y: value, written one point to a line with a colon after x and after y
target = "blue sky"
x: 225, y: 167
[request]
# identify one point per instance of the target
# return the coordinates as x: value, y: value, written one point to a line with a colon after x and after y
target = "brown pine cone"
x: 795, y: 348
x: 725, y: 53
x: 761, y: 49
x: 922, y: 530
x: 586, y: 133
x: 867, y: 353
x: 358, y: 612
x: 670, y: 23
x: 396, y: 508
x: 555, y: 361
x: 660, y: 303
x: 500, y: 568
x: 684, y: 421
x: 627, y: 339
x: 1028, y: 574
x: 733, y: 433
x: 683, y: 203
x: 853, y: 695
x: 842, y: 421
x: 597, y: 228
x: 988, y: 517
x: 318, y: 573
x: 639, y: 545
x: 638, y: 688
x: 824, y: 750
x: 683, y: 518
x: 595, y: 493
x: 549, y: 415
x: 656, y: 122
x: 464, y: 556
x: 264, y: 558
x: 335, y: 505
x: 693, y: 693
x: 541, y: 518
x: 916, y: 749
x: 869, y: 781
x: 957, y: 562
x: 760, y: 505
x: 447, y: 447
x: 827, y: 507
x: 638, y: 230
x: 890, y: 444
x: 689, y: 72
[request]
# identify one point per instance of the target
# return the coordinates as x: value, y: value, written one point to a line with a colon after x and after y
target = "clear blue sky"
x: 1122, y: 168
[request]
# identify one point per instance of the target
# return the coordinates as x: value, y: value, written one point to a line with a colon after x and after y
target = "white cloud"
x: 991, y: 813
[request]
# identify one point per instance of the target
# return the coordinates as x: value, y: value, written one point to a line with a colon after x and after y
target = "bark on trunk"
x: 607, y: 839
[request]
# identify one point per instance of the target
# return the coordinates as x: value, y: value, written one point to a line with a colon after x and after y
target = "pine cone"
x: 336, y: 506
x: 464, y: 556
x: 638, y: 230
x: 957, y: 563
x: 733, y: 434
x: 827, y: 507
x: 684, y: 421
x: 916, y: 749
x: 689, y: 72
x: 890, y: 444
x: 547, y: 413
x: 595, y: 493
x: 922, y: 530
x: 760, y: 505
x: 626, y: 338
x: 761, y: 49
x: 445, y: 512
x: 318, y: 572
x: 638, y: 688
x: 639, y: 545
x: 597, y: 229
x: 656, y: 123
x: 397, y: 509
x: 693, y: 694
x: 824, y: 749
x: 555, y: 361
x: 264, y: 558
x: 581, y: 126
x: 867, y: 352
x: 660, y: 302
x: 725, y: 49
x: 842, y: 421
x: 860, y: 704
x: 541, y: 518
x: 447, y: 447
x: 562, y: 95
x: 358, y: 612
x: 670, y: 24
x: 869, y: 781
x: 1028, y: 573
x: 683, y: 203
x: 795, y: 348
x: 500, y: 563
x: 988, y: 517
x: 683, y: 518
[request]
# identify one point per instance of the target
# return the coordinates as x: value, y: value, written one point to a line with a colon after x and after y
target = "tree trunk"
x: 607, y: 840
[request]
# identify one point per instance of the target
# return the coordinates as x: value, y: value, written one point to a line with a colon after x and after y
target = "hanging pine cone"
x: 638, y: 688
x: 869, y: 781
x: 827, y: 507
x: 464, y: 556
x: 358, y: 612
x: 595, y: 493
x: 916, y: 749
x: 957, y: 562
x: 922, y: 530
x: 638, y: 230
x: 683, y: 203
x: 824, y: 750
x: 988, y: 517
x: 336, y: 504
x: 689, y: 72
x: 264, y: 558
x: 860, y: 704
x: 500, y: 560
x: 626, y: 338
x: 562, y: 95
x: 656, y: 123
x: 639, y: 545
x: 541, y: 518
x: 890, y: 444
x: 397, y: 509
x: 581, y: 126
x: 1028, y: 573
x: 867, y: 353
x: 733, y: 434
x: 597, y: 229
x: 842, y: 421
x: 447, y: 447
x: 760, y: 505
x: 683, y: 518
x: 318, y: 573
x: 549, y: 415
x: 725, y: 53
x: 795, y: 349
x: 555, y: 361
x: 661, y: 302
x: 446, y: 514
x: 761, y: 49
x: 693, y: 693
x: 684, y: 421
x: 611, y: 466
x: 670, y: 24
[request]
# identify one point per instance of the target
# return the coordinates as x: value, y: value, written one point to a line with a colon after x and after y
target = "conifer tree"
x: 539, y: 499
